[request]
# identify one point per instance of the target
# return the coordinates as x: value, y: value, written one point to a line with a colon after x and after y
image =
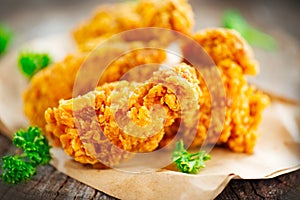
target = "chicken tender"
x: 99, y: 125
x: 56, y: 82
x: 111, y: 19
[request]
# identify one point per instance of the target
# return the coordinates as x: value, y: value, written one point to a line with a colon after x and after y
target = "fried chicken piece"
x: 171, y: 14
x: 111, y: 19
x: 56, y: 82
x: 48, y: 86
x: 244, y: 104
x: 121, y: 115
x: 74, y: 123
x: 241, y: 117
x: 108, y: 20
x: 226, y: 44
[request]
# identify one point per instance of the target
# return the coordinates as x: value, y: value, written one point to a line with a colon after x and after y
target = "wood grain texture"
x: 49, y: 184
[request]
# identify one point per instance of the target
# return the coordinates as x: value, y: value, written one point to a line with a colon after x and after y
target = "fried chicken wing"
x: 94, y: 127
x: 244, y: 104
x: 56, y: 82
x: 111, y: 19
x: 225, y: 44
x: 49, y: 86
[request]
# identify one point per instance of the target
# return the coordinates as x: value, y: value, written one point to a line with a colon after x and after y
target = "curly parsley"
x: 187, y: 162
x: 20, y: 168
x: 30, y: 62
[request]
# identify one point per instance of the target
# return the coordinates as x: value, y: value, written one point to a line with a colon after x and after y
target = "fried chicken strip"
x: 94, y: 127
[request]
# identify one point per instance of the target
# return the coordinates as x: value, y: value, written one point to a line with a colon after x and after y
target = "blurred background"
x: 35, y: 18
x: 279, y: 69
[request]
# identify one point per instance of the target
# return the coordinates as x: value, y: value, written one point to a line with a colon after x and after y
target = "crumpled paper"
x: 277, y: 150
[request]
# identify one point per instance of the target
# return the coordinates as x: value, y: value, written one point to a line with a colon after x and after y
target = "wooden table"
x: 49, y: 184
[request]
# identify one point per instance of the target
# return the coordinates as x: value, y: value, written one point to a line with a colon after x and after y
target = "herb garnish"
x: 187, y: 162
x: 30, y: 62
x: 36, y: 151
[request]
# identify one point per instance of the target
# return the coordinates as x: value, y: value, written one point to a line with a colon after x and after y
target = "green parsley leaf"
x: 34, y: 144
x: 16, y: 170
x: 187, y: 162
x: 30, y: 62
x: 5, y: 37
x: 20, y: 168
x: 233, y: 19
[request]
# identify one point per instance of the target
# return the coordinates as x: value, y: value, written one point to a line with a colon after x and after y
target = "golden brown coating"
x: 108, y: 20
x: 225, y: 44
x: 172, y: 14
x: 56, y: 82
x: 244, y: 104
x: 48, y: 86
x: 244, y: 114
x: 90, y: 127
x: 111, y: 19
x: 80, y: 116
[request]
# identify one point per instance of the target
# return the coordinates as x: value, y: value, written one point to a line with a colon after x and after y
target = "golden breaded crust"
x: 48, y: 86
x: 111, y: 19
x: 222, y: 44
x: 172, y: 14
x: 75, y: 123
x: 244, y: 104
x: 88, y: 128
x: 108, y: 20
x: 245, y: 114
x: 56, y: 82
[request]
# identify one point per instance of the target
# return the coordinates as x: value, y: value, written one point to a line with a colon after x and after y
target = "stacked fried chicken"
x: 105, y: 121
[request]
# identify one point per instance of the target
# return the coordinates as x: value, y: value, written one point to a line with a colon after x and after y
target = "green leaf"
x: 16, y: 170
x: 20, y: 168
x: 233, y: 19
x: 187, y: 162
x: 34, y: 144
x: 30, y: 63
x: 5, y: 37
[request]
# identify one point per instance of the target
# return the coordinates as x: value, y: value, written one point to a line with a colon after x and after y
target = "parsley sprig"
x: 233, y: 19
x: 36, y: 151
x: 30, y: 62
x: 187, y: 162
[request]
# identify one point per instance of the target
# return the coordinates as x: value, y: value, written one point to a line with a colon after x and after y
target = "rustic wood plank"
x: 51, y: 184
x: 286, y: 186
x: 5, y: 144
x: 47, y: 184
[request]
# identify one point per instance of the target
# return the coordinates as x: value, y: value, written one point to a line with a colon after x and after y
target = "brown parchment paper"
x: 277, y: 150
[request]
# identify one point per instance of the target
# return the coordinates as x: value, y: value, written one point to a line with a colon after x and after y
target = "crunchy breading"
x: 172, y: 14
x: 94, y: 126
x: 244, y: 104
x: 56, y: 82
x: 48, y: 86
x: 226, y: 44
x: 108, y: 20
x: 78, y: 116
x: 111, y: 19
